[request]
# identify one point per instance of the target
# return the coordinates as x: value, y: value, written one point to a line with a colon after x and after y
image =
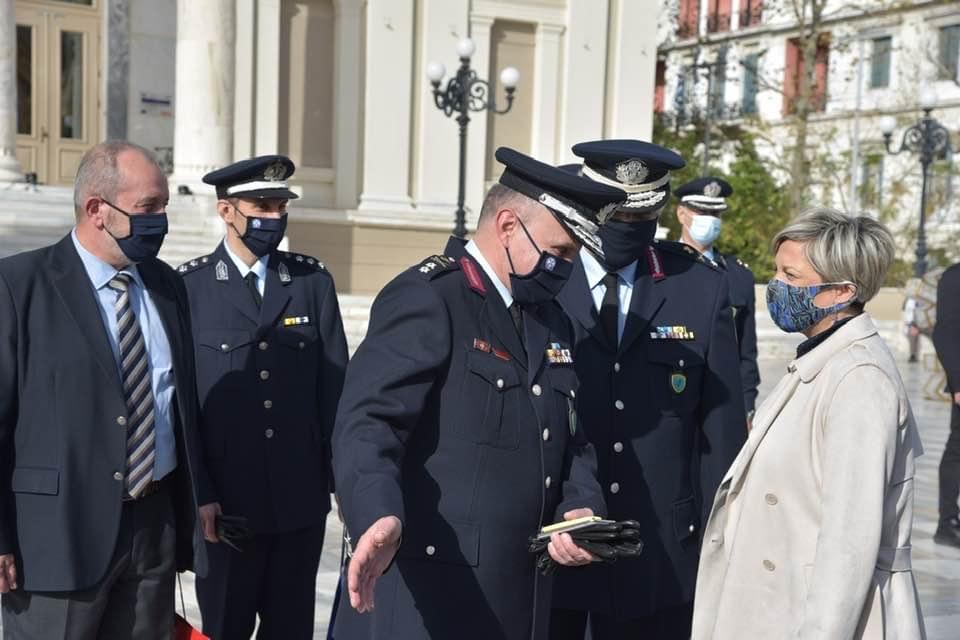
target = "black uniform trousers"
x: 135, y: 600
x: 275, y: 577
x: 670, y: 622
x: 950, y: 469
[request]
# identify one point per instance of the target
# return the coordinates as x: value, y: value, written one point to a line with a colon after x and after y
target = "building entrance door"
x: 58, y: 53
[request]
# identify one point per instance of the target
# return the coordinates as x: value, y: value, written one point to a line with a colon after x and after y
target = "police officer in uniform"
x: 271, y: 356
x: 660, y: 397
x: 700, y: 212
x: 457, y: 437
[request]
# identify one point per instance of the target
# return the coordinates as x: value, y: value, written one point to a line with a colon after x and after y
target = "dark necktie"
x: 517, y: 316
x: 251, y: 279
x: 610, y: 308
x: 137, y: 390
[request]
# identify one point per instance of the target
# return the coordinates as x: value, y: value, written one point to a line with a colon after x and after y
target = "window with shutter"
x: 748, y: 101
x: 949, y: 53
x: 880, y: 62
x: 689, y: 22
x: 750, y: 12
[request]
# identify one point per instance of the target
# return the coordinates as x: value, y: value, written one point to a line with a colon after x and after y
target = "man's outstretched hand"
x: 371, y: 557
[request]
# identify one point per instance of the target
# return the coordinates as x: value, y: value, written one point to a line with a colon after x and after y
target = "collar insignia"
x: 222, y: 274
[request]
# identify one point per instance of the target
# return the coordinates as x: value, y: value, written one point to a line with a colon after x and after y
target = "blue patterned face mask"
x: 792, y: 308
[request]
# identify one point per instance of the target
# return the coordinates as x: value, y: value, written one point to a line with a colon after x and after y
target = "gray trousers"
x: 134, y: 601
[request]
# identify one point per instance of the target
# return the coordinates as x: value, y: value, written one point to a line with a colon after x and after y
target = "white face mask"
x: 705, y: 229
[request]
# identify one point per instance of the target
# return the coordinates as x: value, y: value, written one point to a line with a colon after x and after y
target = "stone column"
x: 10, y: 170
x: 387, y: 107
x: 348, y: 92
x: 585, y: 81
x: 203, y: 125
x: 546, y: 91
x: 632, y: 69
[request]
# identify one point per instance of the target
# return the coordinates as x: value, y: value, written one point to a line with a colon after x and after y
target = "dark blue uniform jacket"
x: 743, y: 301
x: 468, y: 435
x: 268, y: 380
x: 664, y: 412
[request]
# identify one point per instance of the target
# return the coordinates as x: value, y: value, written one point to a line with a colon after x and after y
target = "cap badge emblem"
x: 633, y: 171
x: 275, y: 172
x: 712, y: 190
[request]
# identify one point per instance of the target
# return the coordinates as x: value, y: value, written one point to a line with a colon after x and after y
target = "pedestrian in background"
x: 809, y: 536
x: 946, y: 339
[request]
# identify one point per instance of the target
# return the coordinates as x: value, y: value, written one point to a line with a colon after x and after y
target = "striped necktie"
x: 137, y: 390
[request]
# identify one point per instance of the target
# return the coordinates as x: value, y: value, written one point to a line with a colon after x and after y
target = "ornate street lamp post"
x: 465, y: 92
x: 931, y: 141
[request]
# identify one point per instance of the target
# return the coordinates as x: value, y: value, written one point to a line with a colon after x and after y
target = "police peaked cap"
x: 260, y: 177
x: 575, y: 201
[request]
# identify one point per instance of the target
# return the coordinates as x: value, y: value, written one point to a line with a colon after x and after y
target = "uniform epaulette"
x: 299, y: 258
x: 435, y: 265
x: 742, y: 263
x: 196, y: 263
x: 681, y: 249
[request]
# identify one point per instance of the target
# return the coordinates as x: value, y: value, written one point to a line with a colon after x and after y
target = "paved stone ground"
x: 937, y: 568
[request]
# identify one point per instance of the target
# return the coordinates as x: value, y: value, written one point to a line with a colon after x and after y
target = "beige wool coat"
x: 809, y: 534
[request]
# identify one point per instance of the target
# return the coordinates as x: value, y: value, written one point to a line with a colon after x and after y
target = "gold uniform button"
x: 118, y: 476
x: 618, y: 447
x: 430, y: 549
x: 263, y: 345
x: 268, y: 404
x: 771, y: 499
x: 615, y: 487
x: 268, y: 433
x: 122, y: 421
x: 619, y: 405
x: 536, y: 390
x: 769, y: 566
x: 264, y: 374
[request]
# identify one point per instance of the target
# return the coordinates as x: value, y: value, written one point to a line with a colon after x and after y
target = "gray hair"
x: 843, y: 248
x: 98, y: 173
x: 501, y: 196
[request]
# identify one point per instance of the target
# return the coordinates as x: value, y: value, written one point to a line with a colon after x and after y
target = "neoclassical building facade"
x: 338, y: 85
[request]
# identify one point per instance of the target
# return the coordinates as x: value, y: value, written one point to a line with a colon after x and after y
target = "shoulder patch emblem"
x: 192, y: 265
x: 435, y: 265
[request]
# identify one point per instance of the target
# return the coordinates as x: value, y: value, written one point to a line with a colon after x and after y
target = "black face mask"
x: 624, y: 242
x: 263, y: 235
x: 544, y: 282
x: 147, y: 231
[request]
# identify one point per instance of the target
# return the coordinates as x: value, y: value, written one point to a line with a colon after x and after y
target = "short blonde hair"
x: 842, y: 248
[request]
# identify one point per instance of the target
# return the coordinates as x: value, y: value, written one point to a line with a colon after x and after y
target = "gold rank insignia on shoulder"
x: 294, y: 321
x: 679, y: 332
x: 557, y: 354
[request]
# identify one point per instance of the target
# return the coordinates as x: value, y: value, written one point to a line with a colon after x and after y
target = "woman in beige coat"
x: 809, y: 535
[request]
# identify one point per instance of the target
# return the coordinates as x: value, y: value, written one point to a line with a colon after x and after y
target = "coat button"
x: 499, y: 383
x: 681, y: 363
x: 268, y: 404
x: 302, y: 345
x: 771, y: 499
x: 616, y: 367
x: 430, y: 549
x: 122, y: 421
x: 618, y: 447
x: 573, y: 393
x: 692, y: 528
x: 536, y: 390
x: 619, y: 405
x: 268, y: 433
x: 716, y: 539
x: 769, y: 566
x: 264, y: 374
x: 546, y: 434
x: 224, y: 347
x: 118, y: 476
x: 546, y: 482
x: 615, y: 487
x: 263, y: 345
